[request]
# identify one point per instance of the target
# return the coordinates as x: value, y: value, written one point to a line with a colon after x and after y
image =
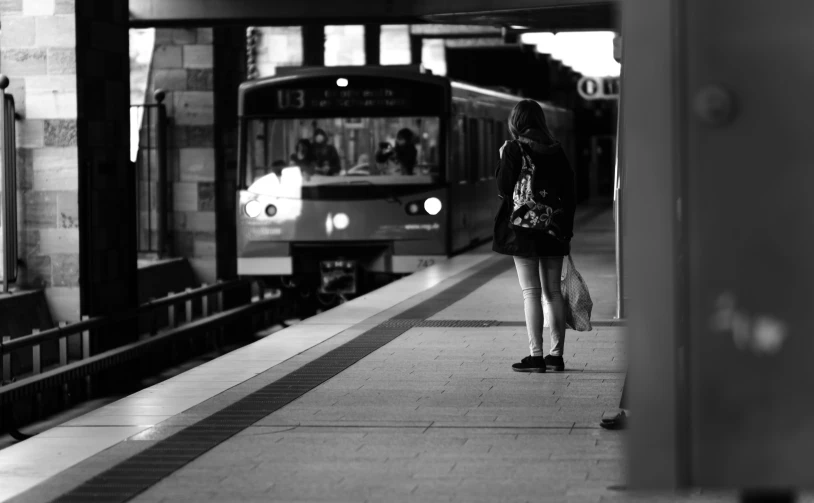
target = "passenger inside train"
x: 378, y: 150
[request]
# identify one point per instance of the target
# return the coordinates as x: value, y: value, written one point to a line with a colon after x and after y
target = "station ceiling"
x: 540, y: 15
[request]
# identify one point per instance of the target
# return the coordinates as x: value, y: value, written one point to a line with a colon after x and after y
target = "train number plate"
x: 337, y: 276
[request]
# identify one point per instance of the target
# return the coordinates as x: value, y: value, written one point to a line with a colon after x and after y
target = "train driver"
x: 325, y: 155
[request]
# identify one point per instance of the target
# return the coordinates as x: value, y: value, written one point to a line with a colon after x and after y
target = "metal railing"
x: 151, y: 176
x: 8, y: 189
x: 203, y: 313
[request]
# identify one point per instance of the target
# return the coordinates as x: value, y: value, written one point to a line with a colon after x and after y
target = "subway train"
x: 350, y: 173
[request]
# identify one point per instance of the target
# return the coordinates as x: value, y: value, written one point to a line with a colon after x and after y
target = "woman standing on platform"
x: 538, y: 255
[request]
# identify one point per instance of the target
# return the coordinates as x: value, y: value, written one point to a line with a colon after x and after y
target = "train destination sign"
x: 332, y: 99
x: 319, y: 97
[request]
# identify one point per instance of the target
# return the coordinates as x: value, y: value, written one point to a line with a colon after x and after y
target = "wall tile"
x: 63, y: 302
x: 50, y: 97
x: 183, y: 243
x: 205, y: 36
x: 54, y: 168
x: 194, y: 108
x: 60, y: 133
x: 206, y: 196
x: 25, y: 169
x: 204, y: 245
x: 18, y: 32
x: 16, y: 88
x: 23, y: 62
x: 65, y: 270
x: 59, y: 241
x: 30, y: 133
x: 61, y: 61
x: 193, y: 136
x: 39, y: 210
x: 65, y: 7
x: 56, y: 31
x: 168, y: 56
x: 37, y: 271
x: 201, y: 221
x: 39, y: 7
x: 170, y: 79
x: 200, y: 80
x: 67, y: 209
x: 11, y: 7
x: 205, y: 269
x: 185, y: 197
x: 163, y: 36
x: 198, y: 56
x: 183, y: 36
x: 197, y: 164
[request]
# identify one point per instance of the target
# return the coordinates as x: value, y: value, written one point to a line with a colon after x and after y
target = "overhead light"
x: 342, y: 82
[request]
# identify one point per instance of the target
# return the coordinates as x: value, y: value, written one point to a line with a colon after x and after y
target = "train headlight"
x: 253, y: 209
x: 342, y: 82
x: 341, y: 221
x: 413, y: 208
x: 271, y: 210
x: 432, y: 205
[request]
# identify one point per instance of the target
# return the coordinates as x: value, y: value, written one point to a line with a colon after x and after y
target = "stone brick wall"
x: 38, y: 54
x: 182, y: 65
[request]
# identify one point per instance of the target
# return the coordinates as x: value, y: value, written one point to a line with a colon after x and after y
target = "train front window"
x: 364, y: 150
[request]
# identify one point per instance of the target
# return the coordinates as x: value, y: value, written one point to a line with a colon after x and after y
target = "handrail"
x: 87, y: 324
x: 8, y: 172
x: 157, y: 131
x: 94, y: 364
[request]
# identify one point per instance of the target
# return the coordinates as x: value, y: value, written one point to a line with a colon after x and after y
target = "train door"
x: 458, y: 182
x: 718, y: 207
x: 603, y: 156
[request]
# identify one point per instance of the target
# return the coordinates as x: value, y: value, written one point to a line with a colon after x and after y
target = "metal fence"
x: 8, y: 172
x: 151, y: 176
x: 199, y: 314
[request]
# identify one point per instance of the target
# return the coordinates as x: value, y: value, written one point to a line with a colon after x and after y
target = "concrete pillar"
x: 416, y: 48
x: 313, y: 45
x: 230, y: 70
x: 107, y: 244
x: 373, y: 34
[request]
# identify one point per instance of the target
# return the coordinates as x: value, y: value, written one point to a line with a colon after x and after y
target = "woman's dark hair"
x: 308, y: 153
x: 407, y: 135
x: 528, y: 116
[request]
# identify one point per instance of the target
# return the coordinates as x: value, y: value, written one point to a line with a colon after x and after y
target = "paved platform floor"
x: 436, y: 414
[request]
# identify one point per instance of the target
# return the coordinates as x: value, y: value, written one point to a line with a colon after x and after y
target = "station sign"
x: 599, y: 88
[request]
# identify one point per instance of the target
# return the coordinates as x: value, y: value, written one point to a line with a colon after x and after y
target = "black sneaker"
x: 530, y: 364
x: 554, y: 363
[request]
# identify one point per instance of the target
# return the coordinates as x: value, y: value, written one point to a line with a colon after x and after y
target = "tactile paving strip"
x: 125, y: 480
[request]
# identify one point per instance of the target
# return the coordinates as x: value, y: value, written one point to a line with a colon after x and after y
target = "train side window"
x: 457, y: 151
x: 491, y: 149
x: 473, y: 149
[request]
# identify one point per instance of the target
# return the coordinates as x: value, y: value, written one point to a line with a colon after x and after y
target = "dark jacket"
x: 553, y: 167
x: 325, y: 154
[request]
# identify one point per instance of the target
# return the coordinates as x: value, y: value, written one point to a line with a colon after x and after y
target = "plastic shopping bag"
x: 578, y: 302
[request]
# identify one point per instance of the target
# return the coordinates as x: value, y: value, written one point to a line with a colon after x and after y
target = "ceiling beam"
x: 146, y: 13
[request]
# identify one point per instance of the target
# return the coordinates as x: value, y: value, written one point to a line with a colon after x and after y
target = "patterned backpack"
x: 534, y: 210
